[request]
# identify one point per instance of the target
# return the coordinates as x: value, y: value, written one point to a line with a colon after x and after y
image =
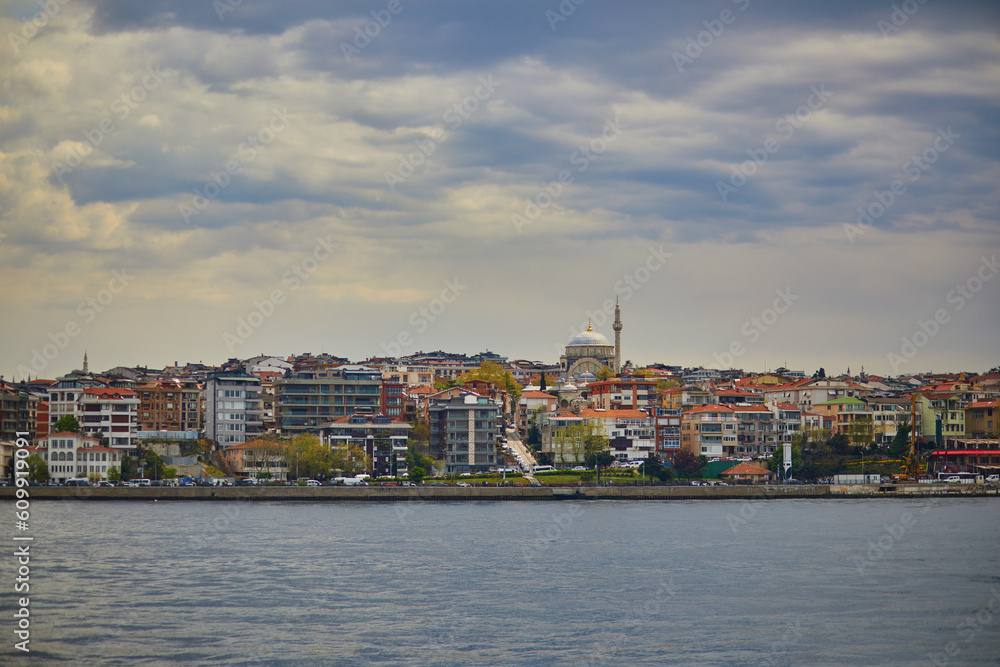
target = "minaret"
x: 84, y: 361
x: 618, y: 338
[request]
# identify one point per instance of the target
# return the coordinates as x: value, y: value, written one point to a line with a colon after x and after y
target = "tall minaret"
x: 84, y: 361
x: 618, y: 338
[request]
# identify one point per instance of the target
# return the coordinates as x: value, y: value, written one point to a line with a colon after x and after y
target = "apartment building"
x: 169, y: 405
x: 307, y: 399
x: 382, y: 438
x: 464, y: 430
x: 631, y: 434
x: 623, y: 393
x: 73, y: 455
x: 709, y: 430
x: 232, y: 404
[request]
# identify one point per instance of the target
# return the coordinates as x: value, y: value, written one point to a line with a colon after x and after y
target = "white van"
x: 145, y: 482
x: 543, y: 469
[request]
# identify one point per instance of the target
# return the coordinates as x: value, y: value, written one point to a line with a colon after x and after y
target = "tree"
x: 604, y: 372
x: 38, y: 469
x: 900, y: 444
x: 541, y: 383
x: 416, y: 460
x: 307, y: 457
x: 687, y: 464
x: 445, y: 383
x: 599, y: 460
x: 653, y: 468
x: 577, y: 442
x: 862, y: 431
x: 67, y: 423
x: 420, y: 433
x: 170, y: 473
x: 263, y: 454
x: 128, y: 471
x: 820, y: 374
x: 496, y: 375
x: 114, y: 475
x: 153, y: 467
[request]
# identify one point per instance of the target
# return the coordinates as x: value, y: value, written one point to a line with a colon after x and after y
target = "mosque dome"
x: 588, y: 337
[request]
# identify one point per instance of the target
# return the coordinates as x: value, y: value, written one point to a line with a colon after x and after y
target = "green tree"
x: 38, y: 469
x: 599, y: 460
x: 416, y: 460
x: 114, y: 475
x: 900, y: 444
x: 862, y: 432
x: 604, y: 372
x: 445, y: 383
x: 153, y: 467
x: 420, y: 433
x: 67, y: 423
x: 577, y: 442
x: 541, y: 383
x: 496, y: 375
x: 653, y: 468
x: 129, y: 468
x: 170, y: 473
x: 687, y: 464
x: 307, y: 457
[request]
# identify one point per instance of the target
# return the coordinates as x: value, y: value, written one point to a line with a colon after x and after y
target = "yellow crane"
x: 911, y: 464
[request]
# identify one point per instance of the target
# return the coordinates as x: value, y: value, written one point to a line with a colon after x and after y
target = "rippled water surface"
x: 811, y: 582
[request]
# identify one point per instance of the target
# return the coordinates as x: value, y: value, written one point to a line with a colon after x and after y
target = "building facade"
x: 233, y: 413
x: 464, y: 430
x: 382, y: 438
x: 308, y: 399
x: 73, y: 455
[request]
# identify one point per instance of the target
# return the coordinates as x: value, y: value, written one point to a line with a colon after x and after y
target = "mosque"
x: 589, y: 351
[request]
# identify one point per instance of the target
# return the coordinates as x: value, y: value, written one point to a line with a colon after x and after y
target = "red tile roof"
x: 746, y: 469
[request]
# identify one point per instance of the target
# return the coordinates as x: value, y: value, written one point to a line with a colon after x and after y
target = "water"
x: 784, y: 582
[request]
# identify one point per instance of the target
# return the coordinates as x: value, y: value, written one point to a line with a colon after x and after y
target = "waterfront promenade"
x: 449, y: 493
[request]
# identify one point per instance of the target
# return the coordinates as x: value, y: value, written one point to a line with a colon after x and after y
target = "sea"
x: 769, y: 582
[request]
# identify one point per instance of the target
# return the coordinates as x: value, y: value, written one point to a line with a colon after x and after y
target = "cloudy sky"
x: 759, y: 184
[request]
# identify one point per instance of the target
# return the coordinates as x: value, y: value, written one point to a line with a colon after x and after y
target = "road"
x: 514, y: 440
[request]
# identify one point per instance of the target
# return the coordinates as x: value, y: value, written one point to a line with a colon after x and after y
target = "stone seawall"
x: 447, y: 493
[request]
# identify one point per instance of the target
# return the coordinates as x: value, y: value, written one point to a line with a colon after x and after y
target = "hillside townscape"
x: 268, y: 419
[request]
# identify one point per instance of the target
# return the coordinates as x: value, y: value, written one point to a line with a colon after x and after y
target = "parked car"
x: 993, y: 479
x: 463, y: 484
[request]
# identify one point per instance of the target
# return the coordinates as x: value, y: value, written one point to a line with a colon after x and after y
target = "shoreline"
x: 433, y: 493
